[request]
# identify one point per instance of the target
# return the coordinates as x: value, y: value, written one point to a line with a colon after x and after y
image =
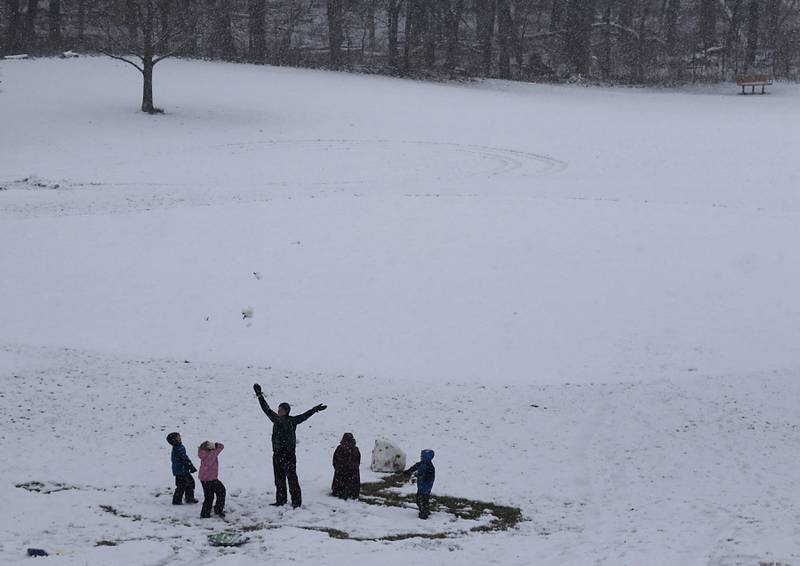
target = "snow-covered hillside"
x: 585, y: 300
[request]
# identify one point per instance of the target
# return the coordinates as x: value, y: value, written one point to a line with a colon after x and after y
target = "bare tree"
x: 671, y: 13
x: 485, y: 17
x: 142, y: 33
x: 372, y: 40
x: 453, y: 11
x: 410, y: 31
x: 54, y: 24
x: 82, y: 12
x: 13, y: 31
x: 505, y: 38
x: 221, y: 40
x: 335, y: 13
x: 393, y: 9
x: 30, y: 23
x: 429, y: 21
x: 257, y: 31
x: 579, y: 18
x: 753, y: 16
x: 707, y: 24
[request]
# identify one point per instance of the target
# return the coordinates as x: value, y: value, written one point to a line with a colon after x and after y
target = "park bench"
x: 753, y: 81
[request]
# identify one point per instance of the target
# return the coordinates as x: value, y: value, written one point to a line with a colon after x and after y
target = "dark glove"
x: 320, y: 407
x: 257, y: 389
x: 192, y: 469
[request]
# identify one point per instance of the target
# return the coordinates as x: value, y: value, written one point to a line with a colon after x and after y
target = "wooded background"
x: 630, y: 41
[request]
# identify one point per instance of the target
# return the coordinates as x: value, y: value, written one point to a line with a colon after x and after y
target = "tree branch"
x: 121, y: 58
x: 618, y: 26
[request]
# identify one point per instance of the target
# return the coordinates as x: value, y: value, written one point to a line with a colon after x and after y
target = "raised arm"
x: 271, y: 415
x: 309, y: 413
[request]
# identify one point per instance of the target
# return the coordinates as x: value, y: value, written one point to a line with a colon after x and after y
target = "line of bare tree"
x: 635, y: 41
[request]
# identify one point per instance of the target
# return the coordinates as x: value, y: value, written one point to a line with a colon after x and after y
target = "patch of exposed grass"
x: 333, y: 533
x: 381, y: 493
x: 255, y: 527
x: 41, y: 487
x: 113, y: 511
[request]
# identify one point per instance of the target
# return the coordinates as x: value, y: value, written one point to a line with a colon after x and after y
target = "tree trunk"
x: 708, y: 24
x: 641, y: 44
x: 222, y: 42
x: 608, y: 64
x: 257, y: 31
x: 753, y: 16
x: 147, y: 88
x: 393, y: 8
x: 428, y: 19
x: 165, y: 16
x: 580, y: 16
x: 628, y: 45
x: 131, y: 22
x: 81, y: 22
x: 372, y: 41
x: 671, y: 38
x: 772, y: 17
x: 452, y: 25
x: 30, y: 23
x: 505, y: 30
x: 671, y: 27
x: 732, y: 36
x: 556, y: 15
x: 187, y: 14
x: 147, y: 24
x: 54, y: 16
x: 485, y: 24
x: 334, y: 12
x: 409, y: 31
x: 13, y: 32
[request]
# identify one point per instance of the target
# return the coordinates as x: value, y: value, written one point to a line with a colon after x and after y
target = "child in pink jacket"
x: 209, y: 478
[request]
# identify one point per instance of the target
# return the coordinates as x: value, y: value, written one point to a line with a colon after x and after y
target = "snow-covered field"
x: 587, y: 301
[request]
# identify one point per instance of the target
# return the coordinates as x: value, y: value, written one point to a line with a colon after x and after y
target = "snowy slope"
x: 584, y: 299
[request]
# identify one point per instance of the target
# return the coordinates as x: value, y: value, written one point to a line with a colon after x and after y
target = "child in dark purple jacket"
x: 209, y: 478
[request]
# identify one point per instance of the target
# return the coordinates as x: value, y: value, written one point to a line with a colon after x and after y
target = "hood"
x: 426, y: 455
x: 348, y: 440
x: 172, y: 438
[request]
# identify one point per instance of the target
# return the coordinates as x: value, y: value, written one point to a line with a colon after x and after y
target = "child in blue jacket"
x: 425, y: 472
x: 182, y: 469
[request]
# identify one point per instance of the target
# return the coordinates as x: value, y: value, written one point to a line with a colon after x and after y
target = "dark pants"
x: 285, y: 467
x: 346, y: 484
x: 424, y: 505
x: 184, y: 486
x: 213, y: 488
